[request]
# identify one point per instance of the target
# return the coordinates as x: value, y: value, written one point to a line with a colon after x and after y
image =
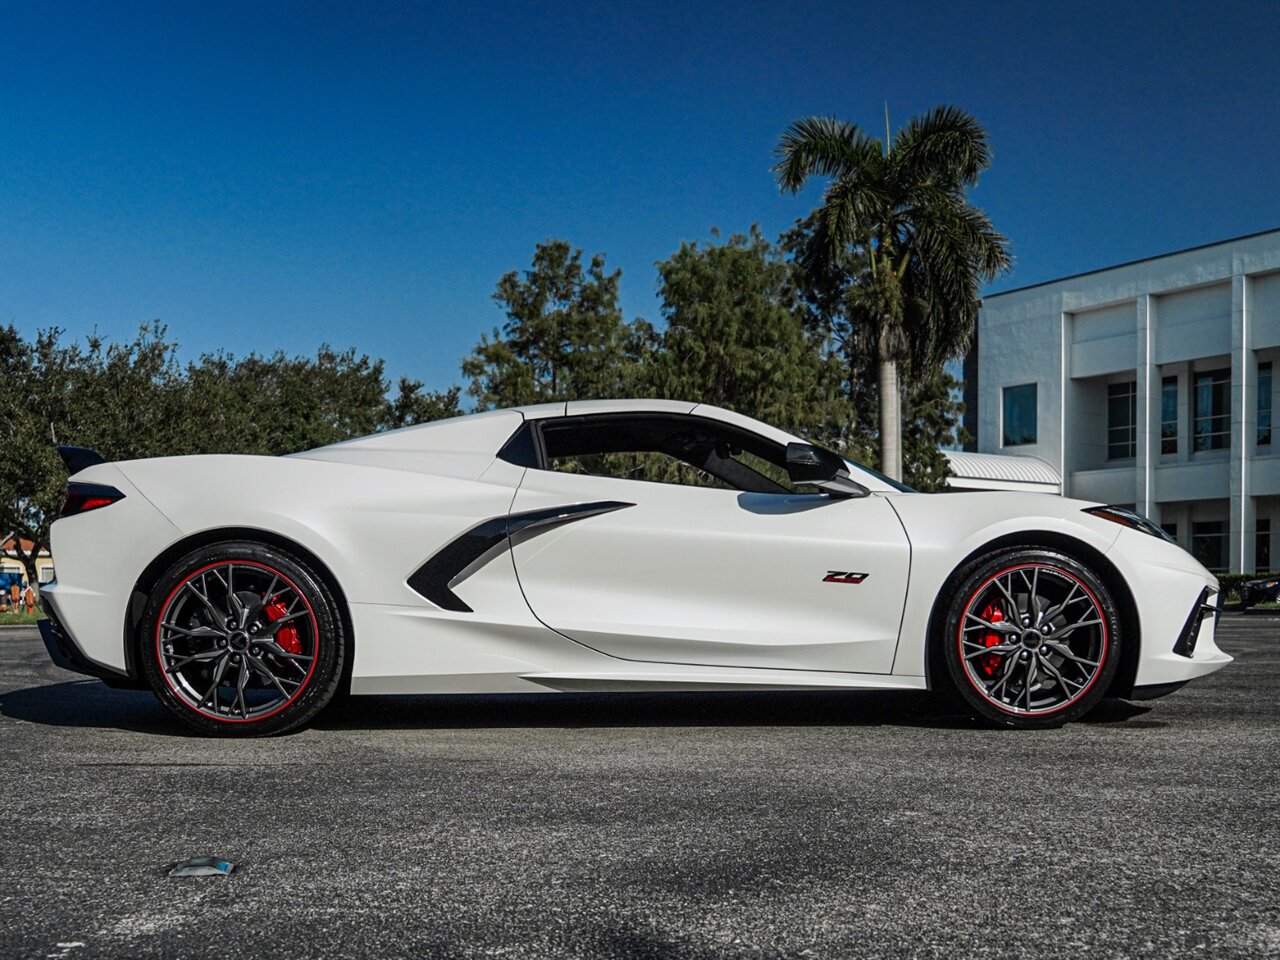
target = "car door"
x: 684, y: 574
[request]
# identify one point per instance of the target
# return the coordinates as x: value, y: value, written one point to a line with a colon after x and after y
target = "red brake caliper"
x: 287, y: 637
x: 988, y: 661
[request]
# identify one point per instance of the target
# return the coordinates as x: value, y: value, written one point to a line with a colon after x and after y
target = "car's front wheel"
x: 1031, y: 638
x: 242, y: 639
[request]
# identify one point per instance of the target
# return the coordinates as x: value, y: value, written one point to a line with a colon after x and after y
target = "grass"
x: 16, y: 619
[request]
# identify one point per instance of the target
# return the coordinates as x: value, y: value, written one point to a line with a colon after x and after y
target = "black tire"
x: 253, y: 624
x: 1044, y: 669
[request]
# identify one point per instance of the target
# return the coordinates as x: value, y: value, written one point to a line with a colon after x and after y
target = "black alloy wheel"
x: 242, y: 639
x: 1032, y: 638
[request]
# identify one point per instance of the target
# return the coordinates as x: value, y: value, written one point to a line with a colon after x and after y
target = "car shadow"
x: 89, y: 703
x: 92, y: 704
x: 670, y: 709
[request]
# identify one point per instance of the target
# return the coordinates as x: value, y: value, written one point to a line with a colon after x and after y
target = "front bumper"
x: 1177, y: 603
x: 1193, y: 651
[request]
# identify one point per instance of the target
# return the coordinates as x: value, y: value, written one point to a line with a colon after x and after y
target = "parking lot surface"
x: 648, y: 826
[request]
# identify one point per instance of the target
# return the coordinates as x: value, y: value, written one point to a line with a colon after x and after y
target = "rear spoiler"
x: 79, y: 458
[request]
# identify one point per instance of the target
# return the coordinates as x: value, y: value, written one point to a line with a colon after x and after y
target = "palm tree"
x: 899, y: 206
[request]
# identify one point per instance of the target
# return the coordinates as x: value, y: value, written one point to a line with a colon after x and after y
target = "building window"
x: 1209, y: 544
x: 1211, y: 427
x: 1171, y: 529
x: 1020, y: 415
x: 1262, y: 546
x: 1264, y: 404
x: 1122, y: 420
x: 1169, y: 415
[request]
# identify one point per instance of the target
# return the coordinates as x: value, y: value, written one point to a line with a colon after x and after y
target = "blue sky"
x: 278, y: 175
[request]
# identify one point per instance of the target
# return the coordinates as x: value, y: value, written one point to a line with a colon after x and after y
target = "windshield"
x: 896, y: 484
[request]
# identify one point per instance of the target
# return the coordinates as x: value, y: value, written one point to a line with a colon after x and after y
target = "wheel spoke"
x: 1009, y: 664
x: 267, y: 674
x: 1071, y: 627
x: 218, y: 617
x: 1062, y: 681
x: 1000, y: 626
x: 1000, y: 650
x: 1008, y: 593
x: 193, y: 658
x: 234, y: 604
x: 1054, y: 612
x: 197, y: 633
x: 218, y: 671
x: 271, y: 628
x: 276, y: 650
x: 240, y: 685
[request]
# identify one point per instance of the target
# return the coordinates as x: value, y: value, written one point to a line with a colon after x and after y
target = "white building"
x: 1150, y: 384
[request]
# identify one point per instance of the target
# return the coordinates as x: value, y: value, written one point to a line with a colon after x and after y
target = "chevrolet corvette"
x: 603, y: 546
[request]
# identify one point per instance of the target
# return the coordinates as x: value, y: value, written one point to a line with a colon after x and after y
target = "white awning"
x: 993, y: 471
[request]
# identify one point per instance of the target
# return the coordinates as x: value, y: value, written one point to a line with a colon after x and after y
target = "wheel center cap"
x: 1031, y: 639
x: 239, y: 642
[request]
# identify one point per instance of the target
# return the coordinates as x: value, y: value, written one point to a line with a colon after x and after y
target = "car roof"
x: 577, y: 408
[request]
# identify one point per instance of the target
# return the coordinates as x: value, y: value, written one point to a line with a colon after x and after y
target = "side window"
x: 666, y: 448
x: 647, y: 465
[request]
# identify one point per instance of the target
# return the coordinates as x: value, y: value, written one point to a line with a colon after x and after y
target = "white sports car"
x: 517, y: 551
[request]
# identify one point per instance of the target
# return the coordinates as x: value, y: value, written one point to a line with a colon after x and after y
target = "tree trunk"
x: 29, y: 563
x: 890, y: 421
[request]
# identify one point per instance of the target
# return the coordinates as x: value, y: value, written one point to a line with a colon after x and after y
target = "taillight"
x: 83, y: 497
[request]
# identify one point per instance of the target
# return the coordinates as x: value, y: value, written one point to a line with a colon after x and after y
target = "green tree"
x: 412, y: 406
x: 931, y: 416
x: 122, y: 399
x: 133, y: 399
x: 930, y: 412
x: 564, y: 338
x: 921, y: 248
x: 277, y: 404
x: 736, y: 337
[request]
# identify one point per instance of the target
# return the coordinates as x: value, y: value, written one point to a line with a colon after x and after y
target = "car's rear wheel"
x: 242, y: 639
x: 1032, y: 638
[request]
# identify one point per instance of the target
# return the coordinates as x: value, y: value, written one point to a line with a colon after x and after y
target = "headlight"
x: 1128, y: 518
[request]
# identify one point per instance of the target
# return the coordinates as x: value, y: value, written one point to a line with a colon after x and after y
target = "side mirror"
x: 815, y: 467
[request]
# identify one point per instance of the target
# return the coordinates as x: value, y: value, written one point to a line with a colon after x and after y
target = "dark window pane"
x: 1262, y: 546
x: 1020, y: 415
x: 1169, y: 415
x: 1122, y: 420
x: 1208, y: 544
x: 1211, y: 425
x: 1264, y: 404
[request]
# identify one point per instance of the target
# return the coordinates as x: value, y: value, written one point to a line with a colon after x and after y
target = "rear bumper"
x: 66, y: 653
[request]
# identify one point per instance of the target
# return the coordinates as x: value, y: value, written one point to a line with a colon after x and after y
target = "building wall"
x: 44, y: 567
x: 1181, y: 315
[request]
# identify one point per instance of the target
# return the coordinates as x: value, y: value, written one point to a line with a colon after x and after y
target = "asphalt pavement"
x: 647, y: 826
